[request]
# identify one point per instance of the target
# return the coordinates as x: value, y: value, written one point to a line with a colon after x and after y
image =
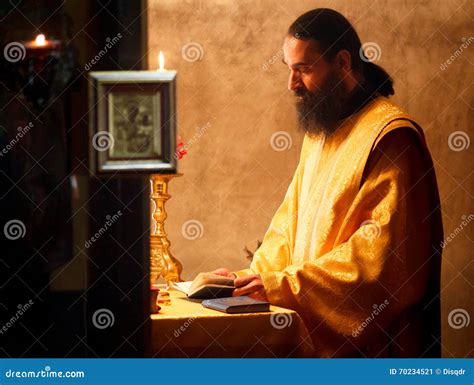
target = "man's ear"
x: 343, y: 60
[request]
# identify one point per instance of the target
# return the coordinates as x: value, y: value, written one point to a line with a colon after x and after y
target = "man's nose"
x: 293, y: 81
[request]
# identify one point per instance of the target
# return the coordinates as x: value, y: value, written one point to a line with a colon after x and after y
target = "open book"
x: 206, y: 285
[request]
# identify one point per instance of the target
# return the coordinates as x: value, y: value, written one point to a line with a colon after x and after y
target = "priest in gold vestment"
x: 354, y: 247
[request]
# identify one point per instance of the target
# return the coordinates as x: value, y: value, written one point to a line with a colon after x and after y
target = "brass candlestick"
x: 162, y: 263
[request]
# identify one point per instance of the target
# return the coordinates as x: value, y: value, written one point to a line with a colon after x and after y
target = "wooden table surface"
x: 187, y: 329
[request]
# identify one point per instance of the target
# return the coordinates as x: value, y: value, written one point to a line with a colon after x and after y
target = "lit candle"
x: 40, y: 51
x: 42, y: 45
x: 40, y: 40
x: 161, y: 62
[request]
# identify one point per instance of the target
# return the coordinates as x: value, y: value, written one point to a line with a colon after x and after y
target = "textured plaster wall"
x: 234, y: 98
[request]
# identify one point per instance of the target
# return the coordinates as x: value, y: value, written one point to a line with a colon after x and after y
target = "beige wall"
x: 234, y: 180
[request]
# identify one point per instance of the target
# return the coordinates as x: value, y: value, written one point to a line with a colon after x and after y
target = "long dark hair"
x: 333, y: 32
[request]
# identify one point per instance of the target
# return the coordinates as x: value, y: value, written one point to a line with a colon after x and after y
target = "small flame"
x: 40, y: 40
x: 161, y: 61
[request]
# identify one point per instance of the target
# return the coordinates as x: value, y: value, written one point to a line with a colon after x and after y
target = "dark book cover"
x: 232, y: 305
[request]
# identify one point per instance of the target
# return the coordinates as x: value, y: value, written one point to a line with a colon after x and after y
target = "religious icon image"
x: 132, y: 121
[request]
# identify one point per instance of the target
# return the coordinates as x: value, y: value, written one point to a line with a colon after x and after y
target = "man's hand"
x: 250, y: 285
x: 224, y: 272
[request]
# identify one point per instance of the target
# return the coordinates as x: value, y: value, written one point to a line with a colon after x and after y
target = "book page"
x: 213, y: 279
x: 206, y: 279
x: 182, y: 286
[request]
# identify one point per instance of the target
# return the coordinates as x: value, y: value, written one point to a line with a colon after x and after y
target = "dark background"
x: 45, y: 183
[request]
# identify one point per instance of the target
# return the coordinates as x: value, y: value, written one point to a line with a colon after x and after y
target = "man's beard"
x: 320, y: 111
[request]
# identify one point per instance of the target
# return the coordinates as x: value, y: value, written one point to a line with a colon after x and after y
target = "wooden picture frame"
x: 132, y: 122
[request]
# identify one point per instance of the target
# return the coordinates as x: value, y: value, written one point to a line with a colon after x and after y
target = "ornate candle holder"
x: 162, y: 263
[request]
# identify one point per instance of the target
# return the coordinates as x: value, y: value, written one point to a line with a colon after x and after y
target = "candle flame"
x: 161, y: 61
x: 40, y: 40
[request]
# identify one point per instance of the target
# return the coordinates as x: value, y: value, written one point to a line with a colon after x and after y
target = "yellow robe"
x: 354, y: 246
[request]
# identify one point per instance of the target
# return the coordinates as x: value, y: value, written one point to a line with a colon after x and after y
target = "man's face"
x: 317, y: 84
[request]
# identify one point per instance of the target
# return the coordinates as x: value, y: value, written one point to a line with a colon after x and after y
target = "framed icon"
x: 132, y: 121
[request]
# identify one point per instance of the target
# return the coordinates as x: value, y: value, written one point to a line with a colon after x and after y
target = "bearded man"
x: 354, y: 247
